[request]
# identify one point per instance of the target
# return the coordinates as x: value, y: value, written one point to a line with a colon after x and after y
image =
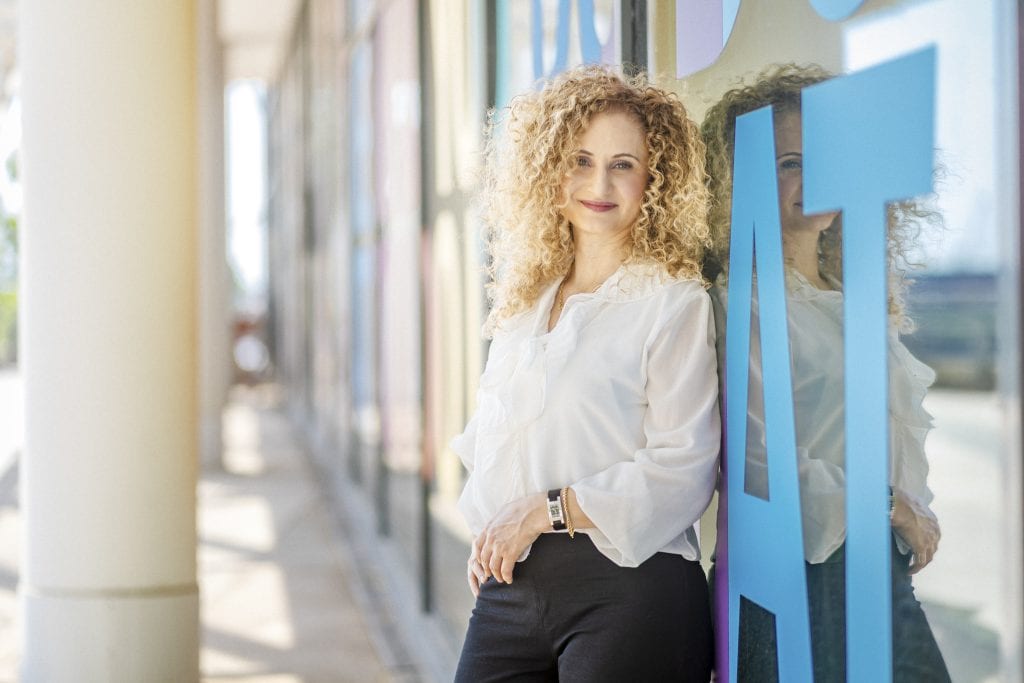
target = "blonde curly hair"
x: 529, y: 241
x: 780, y: 86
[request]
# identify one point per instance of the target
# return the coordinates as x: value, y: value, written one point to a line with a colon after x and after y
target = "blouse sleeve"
x: 464, y: 445
x: 642, y: 504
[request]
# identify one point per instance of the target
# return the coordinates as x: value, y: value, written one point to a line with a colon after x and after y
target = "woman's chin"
x: 808, y: 225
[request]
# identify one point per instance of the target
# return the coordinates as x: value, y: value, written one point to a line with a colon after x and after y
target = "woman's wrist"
x: 903, y: 514
x: 539, y: 521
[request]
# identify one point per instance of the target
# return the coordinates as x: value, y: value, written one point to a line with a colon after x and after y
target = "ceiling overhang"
x: 255, y: 35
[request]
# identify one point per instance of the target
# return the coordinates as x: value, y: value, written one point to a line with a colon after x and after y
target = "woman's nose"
x: 601, y: 180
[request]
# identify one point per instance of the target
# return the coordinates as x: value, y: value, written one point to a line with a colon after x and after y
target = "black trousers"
x: 571, y: 614
x: 915, y: 654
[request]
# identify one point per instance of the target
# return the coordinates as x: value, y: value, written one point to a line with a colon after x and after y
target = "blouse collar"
x: 798, y: 285
x: 633, y: 281
x: 630, y: 282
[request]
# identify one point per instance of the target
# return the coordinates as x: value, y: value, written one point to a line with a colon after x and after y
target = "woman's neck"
x: 594, y: 261
x: 801, y: 254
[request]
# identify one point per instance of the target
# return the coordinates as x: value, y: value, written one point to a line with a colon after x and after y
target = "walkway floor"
x: 278, y: 606
x: 279, y: 602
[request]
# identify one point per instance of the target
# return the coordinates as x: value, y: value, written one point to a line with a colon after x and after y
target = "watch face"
x: 555, y: 511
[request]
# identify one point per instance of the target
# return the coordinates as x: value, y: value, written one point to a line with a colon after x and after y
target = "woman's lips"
x: 598, y: 206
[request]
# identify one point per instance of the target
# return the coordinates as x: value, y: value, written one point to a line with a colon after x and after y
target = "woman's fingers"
x: 474, y: 588
x: 475, y: 575
x: 922, y: 559
x: 496, y: 560
x: 478, y: 571
x: 917, y: 563
x: 929, y: 538
x: 507, y: 566
x: 482, y: 552
x: 924, y: 551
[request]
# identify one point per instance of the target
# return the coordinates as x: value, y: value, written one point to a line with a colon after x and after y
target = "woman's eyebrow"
x: 789, y: 154
x: 616, y: 156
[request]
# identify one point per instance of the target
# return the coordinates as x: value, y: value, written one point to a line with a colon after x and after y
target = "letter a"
x: 765, y: 538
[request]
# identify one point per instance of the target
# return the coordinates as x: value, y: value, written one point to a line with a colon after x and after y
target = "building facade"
x: 376, y: 122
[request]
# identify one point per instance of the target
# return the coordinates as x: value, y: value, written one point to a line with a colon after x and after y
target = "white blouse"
x: 618, y: 401
x: 816, y: 348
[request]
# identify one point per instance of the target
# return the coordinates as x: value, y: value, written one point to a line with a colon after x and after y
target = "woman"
x: 594, y: 446
x: 814, y: 281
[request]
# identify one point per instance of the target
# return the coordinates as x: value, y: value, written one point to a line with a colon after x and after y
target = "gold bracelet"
x: 565, y: 512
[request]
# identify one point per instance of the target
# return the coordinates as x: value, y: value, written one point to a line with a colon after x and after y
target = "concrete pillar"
x: 215, y: 362
x: 108, y: 575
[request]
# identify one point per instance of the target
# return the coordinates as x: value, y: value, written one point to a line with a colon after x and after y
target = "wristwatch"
x: 555, y: 509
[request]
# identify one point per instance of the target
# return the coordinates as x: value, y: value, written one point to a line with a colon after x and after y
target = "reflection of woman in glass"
x: 812, y: 249
x: 597, y: 411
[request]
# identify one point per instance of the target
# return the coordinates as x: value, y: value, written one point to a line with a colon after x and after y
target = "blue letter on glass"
x: 868, y: 140
x: 834, y: 10
x: 765, y: 539
x: 561, y: 39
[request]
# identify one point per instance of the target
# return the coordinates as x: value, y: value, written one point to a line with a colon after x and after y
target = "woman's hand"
x: 495, y: 551
x: 917, y: 524
x: 475, y: 574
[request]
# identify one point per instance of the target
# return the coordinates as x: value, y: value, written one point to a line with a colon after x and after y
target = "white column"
x: 215, y: 367
x: 108, y: 575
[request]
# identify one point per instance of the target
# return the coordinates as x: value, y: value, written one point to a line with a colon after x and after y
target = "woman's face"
x: 789, y: 167
x: 605, y: 188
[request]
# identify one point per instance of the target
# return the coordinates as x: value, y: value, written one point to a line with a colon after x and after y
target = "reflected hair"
x: 780, y: 87
x: 530, y: 149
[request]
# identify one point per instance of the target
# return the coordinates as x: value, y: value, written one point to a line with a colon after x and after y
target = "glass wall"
x: 944, y: 363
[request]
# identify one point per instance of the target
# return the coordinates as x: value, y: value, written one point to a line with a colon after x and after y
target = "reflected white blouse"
x: 619, y: 401
x: 816, y: 348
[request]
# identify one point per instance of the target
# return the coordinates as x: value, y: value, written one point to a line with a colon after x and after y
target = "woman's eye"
x: 582, y: 161
x: 790, y: 165
x: 622, y: 165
